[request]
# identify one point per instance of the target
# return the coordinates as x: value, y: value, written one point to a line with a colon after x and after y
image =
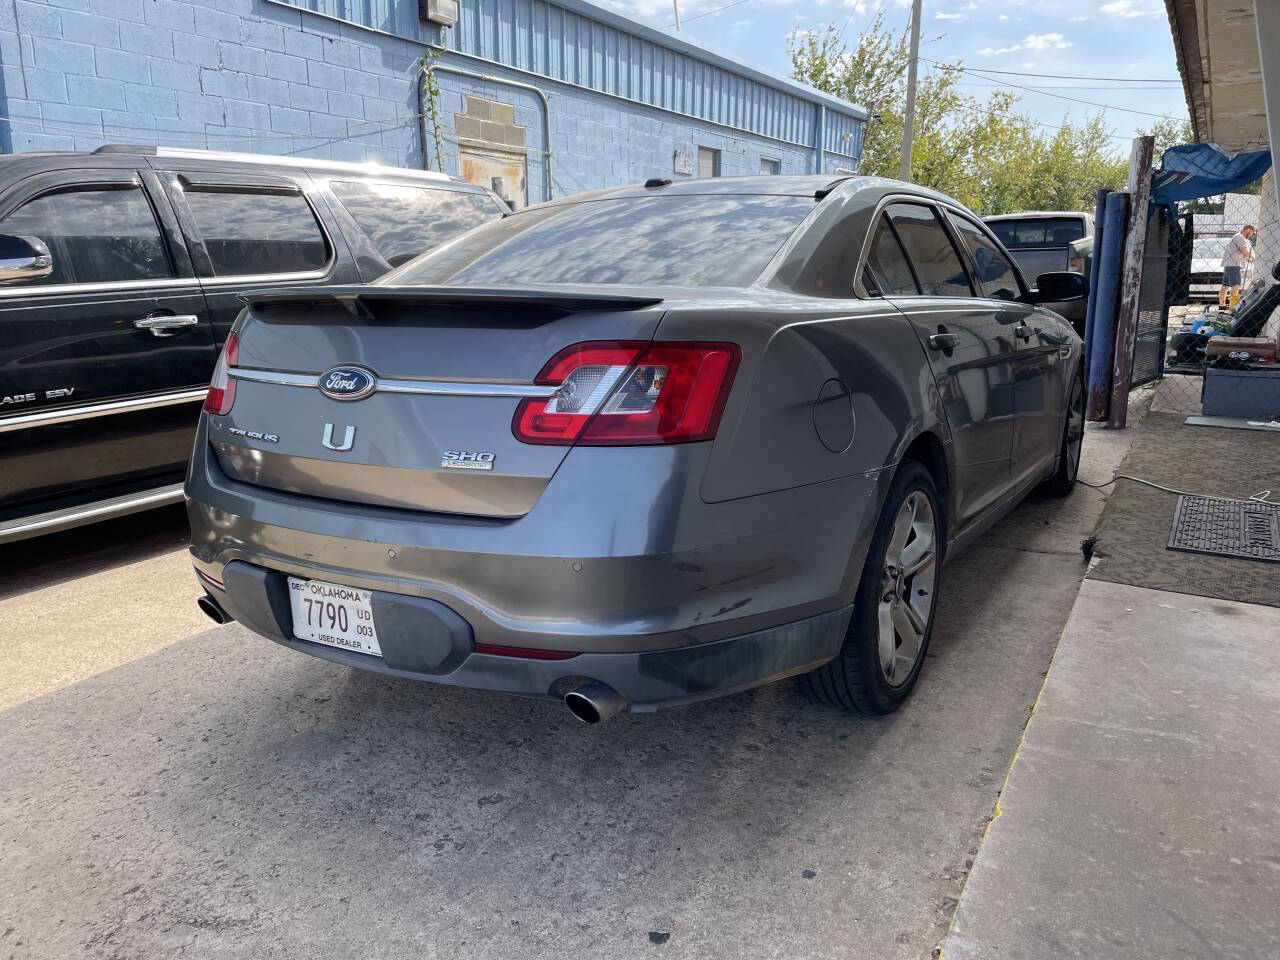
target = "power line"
x: 1064, y: 86
x: 699, y: 16
x: 1019, y: 86
x: 1052, y: 76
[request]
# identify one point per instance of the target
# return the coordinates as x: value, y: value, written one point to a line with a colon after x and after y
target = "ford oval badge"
x: 347, y: 383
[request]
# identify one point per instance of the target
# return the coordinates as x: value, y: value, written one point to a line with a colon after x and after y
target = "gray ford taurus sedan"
x: 637, y: 448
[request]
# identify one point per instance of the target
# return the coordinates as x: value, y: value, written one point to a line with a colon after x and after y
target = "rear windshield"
x: 1035, y: 231
x: 722, y: 241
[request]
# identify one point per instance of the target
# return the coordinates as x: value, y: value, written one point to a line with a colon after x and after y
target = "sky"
x: 1111, y: 39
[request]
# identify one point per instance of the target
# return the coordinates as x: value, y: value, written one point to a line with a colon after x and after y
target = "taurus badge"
x: 348, y: 438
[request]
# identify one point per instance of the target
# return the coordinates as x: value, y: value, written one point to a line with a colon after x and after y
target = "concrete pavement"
x: 202, y: 792
x: 1142, y: 817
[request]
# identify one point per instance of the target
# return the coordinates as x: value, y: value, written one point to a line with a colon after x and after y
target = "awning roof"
x: 1216, y: 42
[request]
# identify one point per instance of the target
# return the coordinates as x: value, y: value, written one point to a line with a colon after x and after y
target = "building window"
x: 769, y: 167
x: 708, y: 162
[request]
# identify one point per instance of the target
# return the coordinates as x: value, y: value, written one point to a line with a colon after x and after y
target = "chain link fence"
x: 1202, y: 347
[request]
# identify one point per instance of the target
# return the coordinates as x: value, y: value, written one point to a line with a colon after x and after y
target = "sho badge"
x: 348, y: 438
x: 467, y: 460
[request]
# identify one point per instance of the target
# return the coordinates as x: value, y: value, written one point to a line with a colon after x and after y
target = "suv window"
x: 247, y: 232
x: 403, y: 221
x: 937, y: 264
x: 995, y: 274
x: 887, y: 272
x: 95, y: 236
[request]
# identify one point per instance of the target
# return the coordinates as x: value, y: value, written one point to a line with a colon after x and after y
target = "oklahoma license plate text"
x: 334, y: 615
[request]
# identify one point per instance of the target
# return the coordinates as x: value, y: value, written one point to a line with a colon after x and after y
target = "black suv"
x: 120, y: 272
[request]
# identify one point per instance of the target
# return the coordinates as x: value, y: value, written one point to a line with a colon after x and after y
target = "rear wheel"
x: 888, y: 636
x: 1064, y: 479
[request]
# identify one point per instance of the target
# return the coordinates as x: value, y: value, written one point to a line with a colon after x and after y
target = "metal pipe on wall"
x: 490, y: 78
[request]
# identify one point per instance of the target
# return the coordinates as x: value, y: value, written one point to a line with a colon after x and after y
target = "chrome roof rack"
x: 184, y: 153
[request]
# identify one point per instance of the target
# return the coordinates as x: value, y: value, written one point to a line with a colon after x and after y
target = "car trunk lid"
x: 446, y: 368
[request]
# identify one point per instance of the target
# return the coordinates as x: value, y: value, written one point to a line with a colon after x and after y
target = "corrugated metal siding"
x: 547, y: 39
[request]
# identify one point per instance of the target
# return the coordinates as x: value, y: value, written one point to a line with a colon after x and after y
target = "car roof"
x: 117, y: 155
x: 1037, y: 214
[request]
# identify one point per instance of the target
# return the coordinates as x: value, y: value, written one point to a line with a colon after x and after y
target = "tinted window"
x: 887, y: 272
x: 95, y: 236
x: 404, y: 221
x: 995, y: 274
x: 687, y: 241
x: 252, y: 233
x: 931, y: 251
x: 1037, y: 230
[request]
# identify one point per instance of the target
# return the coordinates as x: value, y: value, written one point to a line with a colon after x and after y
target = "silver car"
x: 638, y: 448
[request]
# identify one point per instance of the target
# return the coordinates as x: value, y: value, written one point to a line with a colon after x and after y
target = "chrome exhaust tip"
x: 594, y: 702
x: 212, y: 610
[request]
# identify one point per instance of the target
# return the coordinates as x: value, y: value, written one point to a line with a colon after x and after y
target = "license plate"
x: 334, y: 615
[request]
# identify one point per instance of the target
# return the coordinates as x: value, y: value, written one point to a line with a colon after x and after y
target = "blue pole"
x: 1107, y: 265
x: 1099, y: 216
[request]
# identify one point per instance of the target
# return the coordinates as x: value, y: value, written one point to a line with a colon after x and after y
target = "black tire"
x: 855, y: 680
x: 1063, y: 480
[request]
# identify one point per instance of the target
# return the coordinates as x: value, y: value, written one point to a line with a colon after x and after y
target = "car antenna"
x: 657, y: 182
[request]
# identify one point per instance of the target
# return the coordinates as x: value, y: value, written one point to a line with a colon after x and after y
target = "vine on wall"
x: 431, y: 104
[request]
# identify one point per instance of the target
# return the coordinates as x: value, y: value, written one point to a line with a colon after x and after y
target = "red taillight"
x: 222, y: 389
x: 628, y: 393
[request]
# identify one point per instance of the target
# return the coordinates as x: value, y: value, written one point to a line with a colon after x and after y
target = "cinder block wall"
x: 257, y: 76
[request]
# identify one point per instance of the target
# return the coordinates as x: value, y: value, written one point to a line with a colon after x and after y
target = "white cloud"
x: 1003, y: 16
x: 992, y: 51
x: 1083, y: 19
x: 1129, y: 9
x: 1046, y: 41
x: 948, y: 16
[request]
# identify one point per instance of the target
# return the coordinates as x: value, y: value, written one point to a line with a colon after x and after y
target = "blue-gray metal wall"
x: 336, y: 78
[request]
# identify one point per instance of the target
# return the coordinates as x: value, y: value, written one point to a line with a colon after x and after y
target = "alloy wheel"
x: 1075, y: 430
x: 907, y: 584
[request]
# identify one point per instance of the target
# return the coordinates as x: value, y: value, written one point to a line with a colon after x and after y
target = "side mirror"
x: 1060, y: 286
x: 23, y: 258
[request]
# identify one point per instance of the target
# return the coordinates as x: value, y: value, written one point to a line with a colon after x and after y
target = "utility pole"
x: 909, y: 121
x: 676, y: 5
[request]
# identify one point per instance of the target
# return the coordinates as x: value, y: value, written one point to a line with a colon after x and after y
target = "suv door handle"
x: 1023, y: 332
x: 166, y: 324
x: 944, y: 341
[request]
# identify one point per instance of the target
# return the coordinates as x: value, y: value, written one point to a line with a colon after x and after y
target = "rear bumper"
x: 620, y: 557
x: 423, y: 640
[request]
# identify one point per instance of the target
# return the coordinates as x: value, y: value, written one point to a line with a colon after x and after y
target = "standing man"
x: 1239, y: 253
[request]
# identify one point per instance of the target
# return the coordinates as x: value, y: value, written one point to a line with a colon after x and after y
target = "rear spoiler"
x: 360, y: 300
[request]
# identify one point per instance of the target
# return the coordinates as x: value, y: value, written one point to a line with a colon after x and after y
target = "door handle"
x: 1023, y: 332
x: 166, y: 324
x: 944, y: 341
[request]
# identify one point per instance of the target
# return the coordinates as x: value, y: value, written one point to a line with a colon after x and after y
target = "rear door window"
x: 403, y: 221
x: 248, y: 233
x: 1037, y: 231
x: 995, y: 275
x: 94, y: 235
x: 887, y: 272
x: 936, y: 261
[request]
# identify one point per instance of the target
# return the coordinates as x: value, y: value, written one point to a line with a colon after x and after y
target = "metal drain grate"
x: 1227, y: 528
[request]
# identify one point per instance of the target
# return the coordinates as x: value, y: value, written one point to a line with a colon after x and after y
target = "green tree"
x: 984, y: 152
